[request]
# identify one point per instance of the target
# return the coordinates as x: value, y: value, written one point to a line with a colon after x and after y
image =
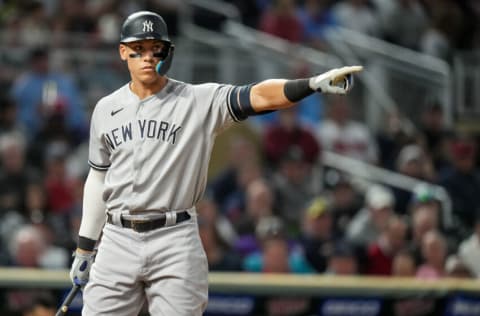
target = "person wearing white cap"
x: 368, y: 223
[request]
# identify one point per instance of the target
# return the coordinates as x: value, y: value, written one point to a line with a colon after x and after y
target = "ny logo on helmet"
x: 147, y: 26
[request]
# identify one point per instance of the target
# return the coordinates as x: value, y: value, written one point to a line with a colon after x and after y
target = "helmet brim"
x: 145, y: 36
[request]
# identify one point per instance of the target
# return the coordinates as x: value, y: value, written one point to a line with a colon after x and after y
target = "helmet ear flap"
x: 164, y: 65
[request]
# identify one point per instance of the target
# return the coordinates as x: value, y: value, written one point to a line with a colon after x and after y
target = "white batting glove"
x: 336, y: 81
x: 80, y: 270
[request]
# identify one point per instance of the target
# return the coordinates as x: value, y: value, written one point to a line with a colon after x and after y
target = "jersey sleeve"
x: 98, y: 152
x: 229, y: 103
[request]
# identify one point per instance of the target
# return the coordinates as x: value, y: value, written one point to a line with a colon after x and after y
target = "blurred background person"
x: 286, y: 133
x: 241, y: 152
x: 280, y: 20
x: 294, y: 184
x: 219, y: 255
x: 367, y: 225
x: 412, y: 161
x: 317, y: 235
x: 275, y: 254
x: 343, y: 260
x: 357, y: 15
x: 462, y: 182
x: 15, y: 173
x: 434, y: 253
x: 456, y: 268
x: 41, y: 93
x: 469, y: 249
x: 403, y: 264
x: 423, y: 220
x: 341, y: 134
x: 381, y: 253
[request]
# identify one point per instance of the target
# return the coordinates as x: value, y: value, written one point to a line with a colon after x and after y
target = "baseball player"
x: 150, y: 144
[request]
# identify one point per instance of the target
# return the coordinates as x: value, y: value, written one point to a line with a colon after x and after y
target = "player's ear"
x: 122, y: 50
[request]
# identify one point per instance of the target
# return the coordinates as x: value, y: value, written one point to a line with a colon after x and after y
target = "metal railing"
x: 430, y: 76
x: 270, y: 284
x: 467, y: 83
x: 376, y: 174
x: 433, y: 75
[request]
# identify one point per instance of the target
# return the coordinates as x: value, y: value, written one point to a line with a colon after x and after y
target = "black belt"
x: 140, y: 225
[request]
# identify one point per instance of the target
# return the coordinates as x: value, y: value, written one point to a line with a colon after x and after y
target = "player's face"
x: 141, y: 59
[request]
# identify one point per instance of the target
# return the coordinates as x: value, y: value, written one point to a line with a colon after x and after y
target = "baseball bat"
x: 67, y: 301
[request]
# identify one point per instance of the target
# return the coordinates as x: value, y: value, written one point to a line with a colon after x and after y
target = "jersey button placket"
x: 137, y: 151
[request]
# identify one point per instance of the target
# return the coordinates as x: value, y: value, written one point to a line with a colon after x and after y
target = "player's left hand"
x: 336, y: 81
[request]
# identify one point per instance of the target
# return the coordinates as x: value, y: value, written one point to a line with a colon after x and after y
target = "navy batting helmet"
x: 144, y: 25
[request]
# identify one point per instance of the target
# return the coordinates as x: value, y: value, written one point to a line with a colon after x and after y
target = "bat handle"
x: 68, y: 300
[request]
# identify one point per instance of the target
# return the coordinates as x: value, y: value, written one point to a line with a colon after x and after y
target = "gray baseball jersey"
x: 156, y: 151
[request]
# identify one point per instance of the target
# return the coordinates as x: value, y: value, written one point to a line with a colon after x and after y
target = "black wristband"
x: 296, y: 90
x: 85, y: 243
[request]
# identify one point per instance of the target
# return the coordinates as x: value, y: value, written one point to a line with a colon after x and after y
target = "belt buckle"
x: 136, y: 224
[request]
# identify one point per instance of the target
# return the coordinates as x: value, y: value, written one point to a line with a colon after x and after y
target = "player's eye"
x: 137, y: 48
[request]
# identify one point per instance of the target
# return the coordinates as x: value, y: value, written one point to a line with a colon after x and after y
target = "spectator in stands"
x: 208, y: 212
x: 425, y: 196
x: 15, y: 174
x: 340, y: 134
x: 259, y: 204
x: 287, y: 132
x: 316, y: 18
x: 357, y: 15
x: 317, y: 234
x: 462, y: 182
x: 469, y: 250
x: 367, y: 225
x: 343, y: 260
x: 447, y: 25
x: 32, y: 302
x: 219, y: 255
x: 423, y: 220
x: 280, y: 20
x: 412, y: 161
x: 27, y: 24
x: 59, y: 186
x: 8, y: 116
x: 346, y: 202
x: 242, y: 167
x: 381, y: 253
x: 394, y: 134
x: 275, y: 254
x: 403, y: 22
x: 434, y: 253
x: 41, y: 93
x: 435, y: 40
x: 250, y: 11
x: 456, y: 268
x: 36, y: 203
x: 404, y: 264
x: 42, y: 304
x: 76, y: 17
x: 437, y: 134
x: 294, y: 185
x: 31, y: 248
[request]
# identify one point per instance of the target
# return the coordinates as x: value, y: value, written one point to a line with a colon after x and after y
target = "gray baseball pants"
x: 167, y: 267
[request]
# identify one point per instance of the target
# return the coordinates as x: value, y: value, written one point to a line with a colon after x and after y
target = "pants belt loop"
x: 170, y: 218
x: 116, y: 218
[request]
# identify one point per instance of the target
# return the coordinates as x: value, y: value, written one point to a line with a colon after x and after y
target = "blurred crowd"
x: 274, y: 207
